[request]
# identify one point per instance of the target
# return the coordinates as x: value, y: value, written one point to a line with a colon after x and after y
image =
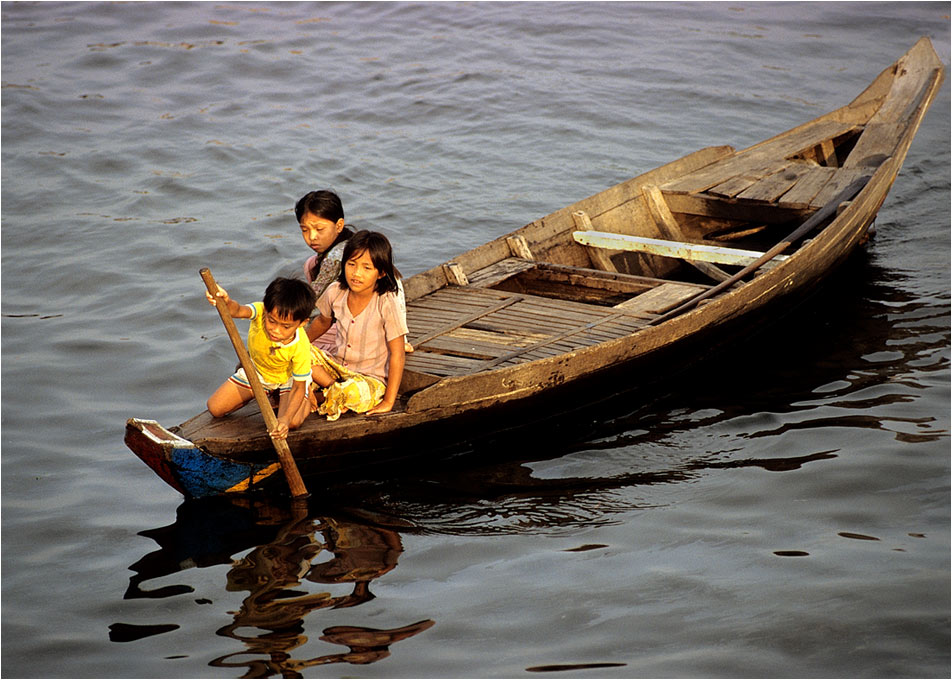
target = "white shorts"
x: 240, y: 378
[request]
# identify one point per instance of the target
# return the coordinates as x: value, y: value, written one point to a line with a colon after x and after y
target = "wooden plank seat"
x: 760, y: 161
x: 676, y: 249
x: 753, y: 185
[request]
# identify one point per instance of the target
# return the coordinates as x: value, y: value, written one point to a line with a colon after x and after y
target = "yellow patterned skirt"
x: 352, y: 391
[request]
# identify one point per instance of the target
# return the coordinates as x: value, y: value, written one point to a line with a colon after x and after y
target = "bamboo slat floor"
x: 463, y: 329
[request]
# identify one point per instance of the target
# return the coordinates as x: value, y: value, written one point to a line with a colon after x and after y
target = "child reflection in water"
x: 272, y: 571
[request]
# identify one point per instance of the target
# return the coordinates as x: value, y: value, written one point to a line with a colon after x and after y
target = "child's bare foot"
x: 407, y: 347
x: 315, y: 397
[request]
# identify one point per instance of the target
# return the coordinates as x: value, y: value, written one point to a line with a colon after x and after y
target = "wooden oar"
x: 812, y: 223
x: 298, y: 490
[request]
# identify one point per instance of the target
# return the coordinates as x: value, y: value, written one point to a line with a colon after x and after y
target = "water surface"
x: 782, y: 512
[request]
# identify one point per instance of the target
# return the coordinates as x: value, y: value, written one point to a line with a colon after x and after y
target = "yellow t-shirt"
x: 275, y: 362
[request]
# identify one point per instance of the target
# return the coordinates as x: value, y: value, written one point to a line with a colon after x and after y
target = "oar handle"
x: 298, y: 490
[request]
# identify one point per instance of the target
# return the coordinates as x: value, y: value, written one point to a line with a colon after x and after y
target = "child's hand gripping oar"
x: 298, y: 489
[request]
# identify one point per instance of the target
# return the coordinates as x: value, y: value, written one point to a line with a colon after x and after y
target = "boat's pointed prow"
x: 186, y: 467
x: 154, y: 445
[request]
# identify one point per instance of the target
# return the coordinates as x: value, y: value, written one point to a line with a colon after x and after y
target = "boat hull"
x: 409, y: 442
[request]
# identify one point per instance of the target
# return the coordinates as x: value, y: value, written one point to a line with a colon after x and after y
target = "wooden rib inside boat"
x: 608, y: 281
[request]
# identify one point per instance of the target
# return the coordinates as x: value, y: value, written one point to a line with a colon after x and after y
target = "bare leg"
x: 303, y: 411
x: 321, y: 376
x: 227, y: 398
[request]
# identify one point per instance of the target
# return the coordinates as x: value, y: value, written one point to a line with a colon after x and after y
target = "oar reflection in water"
x: 274, y: 572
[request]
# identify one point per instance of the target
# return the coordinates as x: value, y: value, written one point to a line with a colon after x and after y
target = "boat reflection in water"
x: 361, y: 554
x: 291, y: 548
x: 271, y: 620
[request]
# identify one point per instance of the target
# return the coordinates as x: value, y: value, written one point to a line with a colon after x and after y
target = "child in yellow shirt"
x: 280, y: 350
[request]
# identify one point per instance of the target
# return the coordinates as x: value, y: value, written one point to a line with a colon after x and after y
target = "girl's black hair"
x: 323, y: 203
x: 381, y: 254
x: 290, y: 297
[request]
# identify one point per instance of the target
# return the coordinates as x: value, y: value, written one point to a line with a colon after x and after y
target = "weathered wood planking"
x: 839, y: 181
x: 499, y: 271
x: 914, y: 77
x: 759, y: 160
x: 464, y: 347
x: 717, y: 208
x: 545, y: 237
x: 661, y: 299
x: 485, y: 333
x: 745, y: 181
x: 576, y: 337
x: 772, y: 187
x: 606, y: 279
x: 808, y: 186
x: 456, y: 321
x: 441, y: 364
x: 513, y: 330
x: 873, y: 142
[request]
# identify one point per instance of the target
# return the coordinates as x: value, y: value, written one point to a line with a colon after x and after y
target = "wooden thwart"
x: 684, y: 251
x: 670, y: 229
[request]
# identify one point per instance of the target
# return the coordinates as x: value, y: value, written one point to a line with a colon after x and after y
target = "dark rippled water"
x: 782, y: 511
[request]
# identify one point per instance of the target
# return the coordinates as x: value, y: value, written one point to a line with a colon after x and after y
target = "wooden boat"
x: 655, y: 270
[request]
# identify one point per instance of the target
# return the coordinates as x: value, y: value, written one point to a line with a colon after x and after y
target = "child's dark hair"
x: 290, y: 297
x: 381, y: 254
x: 323, y: 203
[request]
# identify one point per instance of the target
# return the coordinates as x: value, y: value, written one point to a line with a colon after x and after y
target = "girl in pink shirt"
x: 320, y: 214
x: 364, y: 370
